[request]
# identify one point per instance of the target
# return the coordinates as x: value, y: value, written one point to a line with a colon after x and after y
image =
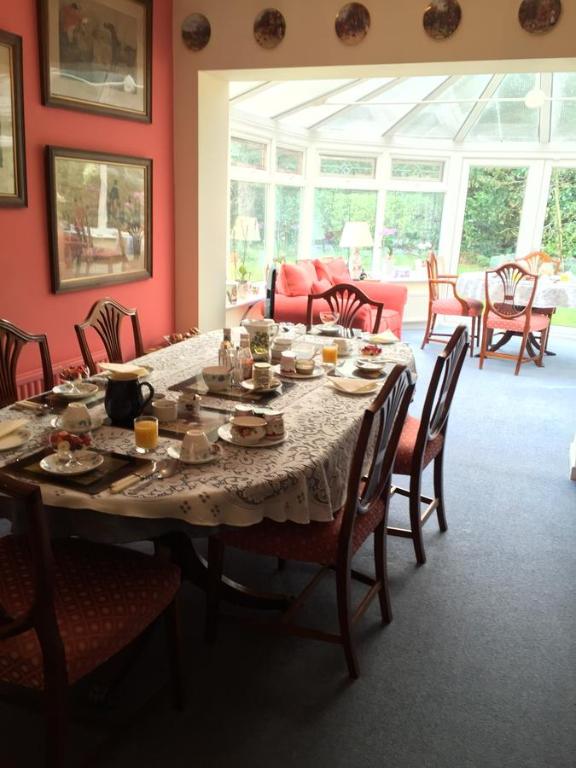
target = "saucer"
x: 96, y: 423
x: 14, y: 439
x: 87, y: 461
x: 318, y: 371
x: 225, y: 433
x: 249, y: 385
x: 215, y: 453
x: 329, y: 330
x: 76, y: 391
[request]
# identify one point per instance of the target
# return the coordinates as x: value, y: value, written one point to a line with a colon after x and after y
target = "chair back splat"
x: 348, y: 300
x: 509, y: 279
x: 12, y: 340
x: 105, y: 318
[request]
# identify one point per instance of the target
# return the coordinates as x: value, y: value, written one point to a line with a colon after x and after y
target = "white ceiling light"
x: 535, y: 98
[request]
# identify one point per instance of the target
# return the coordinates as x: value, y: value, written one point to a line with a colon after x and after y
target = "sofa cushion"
x: 319, y: 286
x: 334, y: 270
x: 298, y: 278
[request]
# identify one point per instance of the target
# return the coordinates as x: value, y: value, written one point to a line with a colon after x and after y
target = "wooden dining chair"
x: 351, y: 303
x: 106, y: 317
x: 333, y: 544
x: 423, y: 440
x: 12, y: 340
x: 454, y: 305
x: 507, y: 311
x: 540, y: 263
x: 68, y: 606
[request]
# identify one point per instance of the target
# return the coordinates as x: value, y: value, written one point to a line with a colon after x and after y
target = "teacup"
x: 305, y: 367
x: 195, y: 446
x: 76, y: 416
x: 280, y: 346
x: 274, y: 423
x: 165, y: 409
x: 288, y: 362
x: 248, y: 429
x: 189, y: 405
x: 217, y: 378
x: 344, y: 346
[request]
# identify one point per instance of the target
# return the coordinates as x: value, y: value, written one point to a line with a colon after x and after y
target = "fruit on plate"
x: 73, y: 372
x: 75, y: 442
x: 371, y: 350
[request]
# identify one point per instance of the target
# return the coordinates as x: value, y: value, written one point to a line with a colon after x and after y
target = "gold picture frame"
x: 12, y: 144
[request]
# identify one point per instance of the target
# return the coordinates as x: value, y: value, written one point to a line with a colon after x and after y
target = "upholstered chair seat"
x: 407, y: 445
x: 471, y: 307
x: 518, y: 324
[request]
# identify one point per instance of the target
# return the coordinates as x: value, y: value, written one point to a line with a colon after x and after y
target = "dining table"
x: 301, y: 479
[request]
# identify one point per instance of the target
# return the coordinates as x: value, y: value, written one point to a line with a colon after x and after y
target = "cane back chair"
x: 507, y: 310
x: 105, y: 317
x: 332, y: 545
x: 68, y: 606
x: 455, y: 305
x: 12, y: 340
x: 350, y: 302
x: 423, y: 440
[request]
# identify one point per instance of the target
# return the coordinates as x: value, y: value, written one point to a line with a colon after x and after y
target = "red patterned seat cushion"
x: 403, y: 463
x: 311, y: 543
x: 538, y: 322
x: 453, y: 307
x: 104, y: 598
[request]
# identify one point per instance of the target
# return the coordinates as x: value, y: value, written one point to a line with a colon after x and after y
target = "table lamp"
x: 356, y: 235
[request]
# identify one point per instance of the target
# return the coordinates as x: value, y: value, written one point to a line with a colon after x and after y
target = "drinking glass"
x: 146, y: 433
x: 330, y: 354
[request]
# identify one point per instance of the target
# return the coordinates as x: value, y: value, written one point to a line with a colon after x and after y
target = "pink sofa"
x: 295, y: 281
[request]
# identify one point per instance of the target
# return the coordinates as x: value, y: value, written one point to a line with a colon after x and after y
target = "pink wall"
x: 25, y: 293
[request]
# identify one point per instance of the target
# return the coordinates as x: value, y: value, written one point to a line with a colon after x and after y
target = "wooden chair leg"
x: 415, y: 520
x: 439, y: 490
x: 215, y: 568
x: 381, y: 570
x: 56, y: 702
x: 483, y: 345
x: 427, y: 331
x: 521, y: 354
x: 343, y: 589
x: 172, y: 619
x: 473, y: 336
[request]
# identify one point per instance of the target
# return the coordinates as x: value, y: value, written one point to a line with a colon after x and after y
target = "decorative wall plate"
x: 539, y: 15
x: 442, y: 18
x: 196, y: 31
x: 352, y: 23
x: 269, y: 28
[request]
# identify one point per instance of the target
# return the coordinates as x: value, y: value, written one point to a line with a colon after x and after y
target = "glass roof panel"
x: 237, y: 88
x: 286, y: 95
x: 443, y: 120
x: 564, y: 112
x: 506, y: 117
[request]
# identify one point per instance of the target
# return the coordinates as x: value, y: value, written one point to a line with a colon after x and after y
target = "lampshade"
x: 356, y: 234
x: 535, y: 98
x: 246, y: 228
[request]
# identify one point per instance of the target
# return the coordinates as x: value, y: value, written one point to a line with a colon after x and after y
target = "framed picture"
x: 96, y: 56
x: 100, y: 218
x: 12, y: 150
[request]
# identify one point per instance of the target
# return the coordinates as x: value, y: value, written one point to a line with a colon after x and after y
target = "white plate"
x: 318, y: 371
x: 249, y: 385
x: 216, y: 453
x: 88, y: 461
x: 14, y: 439
x: 225, y: 432
x: 96, y: 422
x: 370, y: 364
x: 329, y: 330
x: 368, y: 388
x: 76, y: 391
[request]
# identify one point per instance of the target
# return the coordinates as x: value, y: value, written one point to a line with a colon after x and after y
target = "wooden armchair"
x: 455, y: 304
x: 540, y: 263
x: 105, y: 318
x: 12, y: 340
x: 352, y: 305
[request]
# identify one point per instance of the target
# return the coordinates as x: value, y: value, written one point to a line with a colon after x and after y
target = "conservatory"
x: 480, y: 168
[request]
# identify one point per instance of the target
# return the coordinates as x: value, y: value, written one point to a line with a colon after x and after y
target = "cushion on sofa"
x: 298, y: 278
x: 319, y: 286
x: 334, y: 270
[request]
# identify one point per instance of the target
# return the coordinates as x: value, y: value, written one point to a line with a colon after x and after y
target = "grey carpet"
x: 477, y: 669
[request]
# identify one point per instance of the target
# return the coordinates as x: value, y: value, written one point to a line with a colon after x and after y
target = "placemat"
x: 195, y: 385
x: 115, y: 466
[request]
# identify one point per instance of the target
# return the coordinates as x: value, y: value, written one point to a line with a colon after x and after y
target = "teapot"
x: 262, y: 333
x: 124, y: 400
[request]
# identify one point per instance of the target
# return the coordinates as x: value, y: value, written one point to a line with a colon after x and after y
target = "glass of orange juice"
x: 330, y: 354
x: 146, y: 433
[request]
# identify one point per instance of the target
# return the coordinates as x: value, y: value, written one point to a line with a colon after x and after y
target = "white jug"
x: 262, y: 333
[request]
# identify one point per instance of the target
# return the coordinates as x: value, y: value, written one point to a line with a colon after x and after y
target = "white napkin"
x: 352, y: 386
x: 7, y: 427
x: 124, y: 370
x: 385, y: 337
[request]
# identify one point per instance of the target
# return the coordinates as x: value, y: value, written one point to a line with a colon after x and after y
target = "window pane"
x: 430, y: 170
x: 289, y: 160
x: 492, y: 216
x: 288, y: 207
x: 563, y: 112
x: 509, y: 120
x: 559, y: 236
x: 332, y: 209
x: 348, y: 166
x: 248, y: 154
x: 247, y: 230
x: 411, y: 227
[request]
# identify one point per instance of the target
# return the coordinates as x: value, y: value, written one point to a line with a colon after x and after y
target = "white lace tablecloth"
x: 551, y: 290
x: 301, y: 479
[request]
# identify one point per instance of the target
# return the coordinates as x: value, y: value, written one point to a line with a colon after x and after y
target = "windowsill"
x: 253, y: 298
x: 392, y: 279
